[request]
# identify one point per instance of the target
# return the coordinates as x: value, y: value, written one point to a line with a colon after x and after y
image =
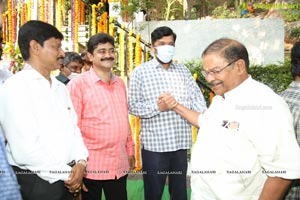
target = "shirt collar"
x: 34, y: 74
x: 241, y: 87
x: 295, y: 84
x: 95, y: 77
x: 158, y: 64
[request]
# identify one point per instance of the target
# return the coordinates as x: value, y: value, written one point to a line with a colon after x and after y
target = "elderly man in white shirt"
x: 39, y: 121
x: 246, y: 147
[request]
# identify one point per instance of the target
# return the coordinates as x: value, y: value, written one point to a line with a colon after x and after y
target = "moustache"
x: 214, y: 83
x: 110, y: 59
x: 60, y: 58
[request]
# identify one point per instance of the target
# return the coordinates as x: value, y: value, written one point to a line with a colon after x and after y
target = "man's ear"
x: 34, y: 47
x: 241, y: 66
x: 153, y: 49
x: 90, y: 56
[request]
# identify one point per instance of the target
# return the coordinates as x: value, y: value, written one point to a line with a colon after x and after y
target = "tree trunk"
x: 187, y: 8
x: 203, y: 9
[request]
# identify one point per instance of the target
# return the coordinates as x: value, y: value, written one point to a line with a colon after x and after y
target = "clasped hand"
x: 166, y: 102
x: 74, y: 183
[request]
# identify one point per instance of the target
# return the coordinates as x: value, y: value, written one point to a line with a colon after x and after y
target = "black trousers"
x: 35, y: 188
x: 113, y: 189
x: 157, y: 166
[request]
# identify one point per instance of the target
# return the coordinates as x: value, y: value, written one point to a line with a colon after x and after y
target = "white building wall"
x: 264, y: 38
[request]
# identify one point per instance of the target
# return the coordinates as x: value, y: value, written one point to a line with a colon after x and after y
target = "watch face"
x: 82, y: 162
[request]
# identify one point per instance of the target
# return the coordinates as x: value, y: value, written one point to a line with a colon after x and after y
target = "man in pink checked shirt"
x: 100, y: 101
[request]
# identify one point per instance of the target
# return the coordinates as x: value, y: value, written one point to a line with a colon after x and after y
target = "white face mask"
x: 72, y: 75
x: 165, y: 53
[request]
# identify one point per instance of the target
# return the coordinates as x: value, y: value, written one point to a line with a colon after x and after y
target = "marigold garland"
x: 76, y: 21
x: 138, y: 54
x: 147, y: 55
x: 130, y: 52
x: 132, y: 125
x: 96, y: 25
x: 99, y: 27
x: 47, y: 11
x: 23, y: 13
x: 28, y: 9
x: 104, y: 22
x: 138, y: 50
x: 42, y: 10
x: 82, y: 12
x: 73, y: 23
x: 194, y: 129
x: 211, y: 96
x: 138, y: 144
x: 13, y: 22
x: 111, y: 26
x: 18, y: 12
x: 59, y: 15
x: 121, y: 52
x: 94, y: 19
x: 4, y: 35
x: 9, y: 16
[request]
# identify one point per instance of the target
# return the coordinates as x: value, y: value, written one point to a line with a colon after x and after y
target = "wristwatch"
x: 82, y: 162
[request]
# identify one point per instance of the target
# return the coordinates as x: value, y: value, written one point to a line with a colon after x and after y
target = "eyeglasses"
x: 214, y: 72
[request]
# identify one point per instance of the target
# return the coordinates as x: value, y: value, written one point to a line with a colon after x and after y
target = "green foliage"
x: 195, y: 67
x: 292, y: 12
x: 277, y: 77
x: 134, y: 6
x: 295, y: 32
x: 222, y: 12
x: 290, y: 15
x: 67, y: 5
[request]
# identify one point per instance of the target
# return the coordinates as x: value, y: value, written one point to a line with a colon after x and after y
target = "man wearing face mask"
x: 70, y: 68
x: 165, y: 136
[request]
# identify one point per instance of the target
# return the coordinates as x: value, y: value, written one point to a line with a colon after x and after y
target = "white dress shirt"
x: 4, y: 74
x: 243, y: 138
x: 40, y: 125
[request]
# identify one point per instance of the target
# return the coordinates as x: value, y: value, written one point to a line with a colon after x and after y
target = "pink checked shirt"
x: 103, y: 120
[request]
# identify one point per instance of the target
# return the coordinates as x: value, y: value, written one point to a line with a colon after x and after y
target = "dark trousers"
x: 113, y: 189
x: 35, y: 188
x: 157, y: 166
